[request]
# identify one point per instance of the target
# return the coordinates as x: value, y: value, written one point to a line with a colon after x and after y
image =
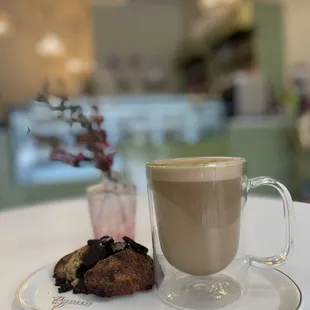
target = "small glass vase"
x: 112, y: 208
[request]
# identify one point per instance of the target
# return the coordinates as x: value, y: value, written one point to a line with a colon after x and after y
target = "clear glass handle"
x: 288, y: 208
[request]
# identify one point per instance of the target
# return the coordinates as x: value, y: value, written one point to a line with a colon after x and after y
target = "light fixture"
x: 50, y: 45
x: 210, y: 4
x: 5, y: 24
x: 111, y: 3
x: 75, y: 66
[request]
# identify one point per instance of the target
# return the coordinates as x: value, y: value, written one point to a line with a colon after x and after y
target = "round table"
x: 38, y: 235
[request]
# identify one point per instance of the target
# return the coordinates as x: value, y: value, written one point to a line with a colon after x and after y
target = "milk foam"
x: 196, y: 169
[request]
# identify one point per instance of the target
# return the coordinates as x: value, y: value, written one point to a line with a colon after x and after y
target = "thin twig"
x: 95, y: 137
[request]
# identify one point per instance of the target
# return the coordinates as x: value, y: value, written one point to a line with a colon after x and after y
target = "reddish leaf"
x: 94, y: 139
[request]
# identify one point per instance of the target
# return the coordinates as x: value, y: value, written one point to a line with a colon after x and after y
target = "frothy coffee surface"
x: 196, y: 169
x: 198, y: 213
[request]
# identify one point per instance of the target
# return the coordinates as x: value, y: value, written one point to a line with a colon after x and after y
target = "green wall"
x: 268, y: 153
x: 268, y: 18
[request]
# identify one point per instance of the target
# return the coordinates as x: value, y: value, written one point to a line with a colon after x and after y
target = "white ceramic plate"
x: 268, y: 290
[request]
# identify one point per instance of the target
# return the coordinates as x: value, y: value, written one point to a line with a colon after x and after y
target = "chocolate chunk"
x: 105, y: 240
x: 60, y: 281
x: 93, y: 255
x: 93, y: 241
x: 118, y: 246
x: 80, y: 288
x: 81, y: 271
x: 66, y: 287
x: 105, y: 253
x: 139, y: 248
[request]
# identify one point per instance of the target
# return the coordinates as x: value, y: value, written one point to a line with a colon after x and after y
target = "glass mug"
x: 196, y: 207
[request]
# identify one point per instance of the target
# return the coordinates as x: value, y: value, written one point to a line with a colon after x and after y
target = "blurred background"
x: 173, y: 78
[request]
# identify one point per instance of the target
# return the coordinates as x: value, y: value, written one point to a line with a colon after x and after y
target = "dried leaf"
x: 94, y: 140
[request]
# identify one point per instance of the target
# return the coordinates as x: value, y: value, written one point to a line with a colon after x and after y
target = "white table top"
x: 35, y: 236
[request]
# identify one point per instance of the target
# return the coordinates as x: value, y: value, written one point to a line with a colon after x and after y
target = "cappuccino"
x: 198, y: 208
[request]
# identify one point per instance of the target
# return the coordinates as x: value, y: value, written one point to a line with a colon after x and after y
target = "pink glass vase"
x: 112, y: 208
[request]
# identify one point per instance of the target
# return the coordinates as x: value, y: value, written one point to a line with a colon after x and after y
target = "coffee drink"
x: 198, y: 208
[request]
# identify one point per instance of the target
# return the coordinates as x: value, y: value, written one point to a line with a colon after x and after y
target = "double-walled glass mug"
x: 196, y: 207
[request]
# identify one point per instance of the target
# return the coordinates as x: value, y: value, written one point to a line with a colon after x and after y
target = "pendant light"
x: 75, y: 66
x: 211, y: 4
x: 51, y: 45
x: 5, y: 25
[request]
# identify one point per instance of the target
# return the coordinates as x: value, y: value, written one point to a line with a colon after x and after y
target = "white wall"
x: 296, y: 35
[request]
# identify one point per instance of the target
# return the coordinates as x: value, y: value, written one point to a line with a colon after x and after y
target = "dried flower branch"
x: 94, y: 139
